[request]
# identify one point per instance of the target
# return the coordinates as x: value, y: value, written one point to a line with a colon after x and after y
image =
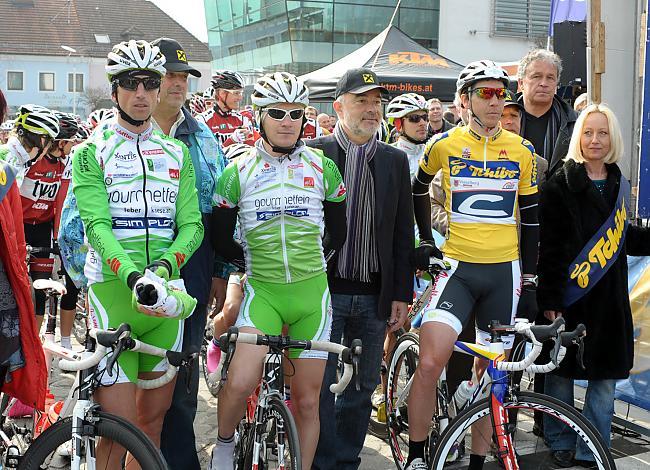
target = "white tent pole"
x: 385, y: 35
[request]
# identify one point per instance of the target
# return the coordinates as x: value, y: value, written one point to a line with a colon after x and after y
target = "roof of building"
x: 92, y: 27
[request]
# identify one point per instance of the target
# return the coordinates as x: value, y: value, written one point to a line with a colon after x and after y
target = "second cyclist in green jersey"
x: 289, y: 200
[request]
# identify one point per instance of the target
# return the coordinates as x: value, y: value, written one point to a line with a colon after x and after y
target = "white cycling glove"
x: 157, y: 297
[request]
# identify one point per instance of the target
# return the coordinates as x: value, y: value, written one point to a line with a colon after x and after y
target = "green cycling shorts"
x: 304, y: 306
x: 109, y: 305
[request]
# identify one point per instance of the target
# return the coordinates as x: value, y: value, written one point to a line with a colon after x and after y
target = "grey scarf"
x: 358, y: 256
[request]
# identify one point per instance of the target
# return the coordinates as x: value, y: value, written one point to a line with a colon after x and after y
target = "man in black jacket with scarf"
x: 371, y: 277
x: 547, y: 121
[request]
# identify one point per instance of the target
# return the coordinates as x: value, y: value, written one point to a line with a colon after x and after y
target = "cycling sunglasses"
x: 487, y: 93
x: 279, y: 114
x: 131, y: 83
x: 415, y: 118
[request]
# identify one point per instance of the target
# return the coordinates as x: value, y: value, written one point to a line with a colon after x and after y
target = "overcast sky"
x: 189, y: 13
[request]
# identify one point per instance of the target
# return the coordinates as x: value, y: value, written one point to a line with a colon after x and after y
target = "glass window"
x: 419, y: 24
x: 310, y: 21
x: 14, y: 81
x: 352, y: 28
x: 46, y: 81
x: 78, y: 86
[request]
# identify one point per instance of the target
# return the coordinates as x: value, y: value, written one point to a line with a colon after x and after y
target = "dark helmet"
x: 227, y: 79
x: 68, y: 126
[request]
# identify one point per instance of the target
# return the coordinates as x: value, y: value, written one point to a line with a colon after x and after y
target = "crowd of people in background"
x: 380, y: 165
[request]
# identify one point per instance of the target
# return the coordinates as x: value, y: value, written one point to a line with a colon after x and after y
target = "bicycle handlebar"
x: 121, y: 340
x: 349, y: 355
x: 531, y: 332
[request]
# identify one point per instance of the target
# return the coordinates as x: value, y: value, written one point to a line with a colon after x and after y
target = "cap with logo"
x: 175, y: 55
x: 511, y: 100
x: 359, y: 81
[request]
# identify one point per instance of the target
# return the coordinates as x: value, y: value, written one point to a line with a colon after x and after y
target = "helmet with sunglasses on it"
x: 280, y: 87
x: 478, y: 71
x: 131, y: 63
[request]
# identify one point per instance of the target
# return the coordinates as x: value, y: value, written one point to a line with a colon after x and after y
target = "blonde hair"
x: 615, y: 137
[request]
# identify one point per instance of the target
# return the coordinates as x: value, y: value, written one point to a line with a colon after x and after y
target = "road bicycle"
x: 70, y: 442
x: 513, y: 446
x: 267, y: 436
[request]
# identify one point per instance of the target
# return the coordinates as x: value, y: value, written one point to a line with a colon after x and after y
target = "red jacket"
x: 28, y: 383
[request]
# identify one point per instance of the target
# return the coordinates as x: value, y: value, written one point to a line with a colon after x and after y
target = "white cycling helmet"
x: 208, y: 94
x: 100, y: 115
x: 404, y: 104
x: 37, y: 120
x: 134, y: 55
x: 280, y: 87
x: 236, y: 150
x: 480, y: 70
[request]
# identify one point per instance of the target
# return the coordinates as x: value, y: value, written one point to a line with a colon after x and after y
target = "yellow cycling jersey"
x: 482, y: 178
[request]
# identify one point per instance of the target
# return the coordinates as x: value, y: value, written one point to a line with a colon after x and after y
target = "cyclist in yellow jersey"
x: 488, y: 173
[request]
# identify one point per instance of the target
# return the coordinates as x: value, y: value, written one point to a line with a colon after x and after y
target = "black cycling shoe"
x: 563, y: 458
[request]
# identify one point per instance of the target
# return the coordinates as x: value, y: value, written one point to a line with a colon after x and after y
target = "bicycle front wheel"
x: 52, y: 448
x: 277, y: 437
x: 403, y: 363
x: 530, y: 450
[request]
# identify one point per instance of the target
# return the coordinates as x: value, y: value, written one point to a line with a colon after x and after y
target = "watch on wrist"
x: 530, y: 280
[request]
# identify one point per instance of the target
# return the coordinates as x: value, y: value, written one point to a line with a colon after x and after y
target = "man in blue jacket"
x: 177, y: 440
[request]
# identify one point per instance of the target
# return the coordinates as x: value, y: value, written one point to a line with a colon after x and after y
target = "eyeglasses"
x: 415, y: 118
x: 131, y: 84
x: 486, y: 93
x: 279, y: 114
x: 235, y: 92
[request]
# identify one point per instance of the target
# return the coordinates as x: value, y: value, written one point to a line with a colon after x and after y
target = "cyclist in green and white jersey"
x: 283, y: 193
x: 137, y: 199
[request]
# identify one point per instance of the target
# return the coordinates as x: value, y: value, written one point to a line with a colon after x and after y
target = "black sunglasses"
x: 415, y: 118
x: 279, y: 114
x: 131, y: 84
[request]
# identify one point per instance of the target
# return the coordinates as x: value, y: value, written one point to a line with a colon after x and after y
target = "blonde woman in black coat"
x: 584, y: 240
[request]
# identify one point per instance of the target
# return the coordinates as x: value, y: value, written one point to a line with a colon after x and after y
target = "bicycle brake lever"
x: 117, y: 350
x: 355, y: 371
x: 557, y: 344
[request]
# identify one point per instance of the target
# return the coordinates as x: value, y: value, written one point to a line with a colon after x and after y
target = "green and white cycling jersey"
x: 280, y: 203
x: 137, y: 200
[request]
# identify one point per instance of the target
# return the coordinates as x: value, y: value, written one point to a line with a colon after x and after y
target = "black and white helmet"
x: 226, y: 79
x: 100, y: 115
x: 280, y: 87
x: 404, y: 104
x: 480, y: 70
x: 208, y: 94
x: 68, y: 126
x: 197, y: 104
x: 235, y: 150
x: 37, y: 120
x: 135, y: 55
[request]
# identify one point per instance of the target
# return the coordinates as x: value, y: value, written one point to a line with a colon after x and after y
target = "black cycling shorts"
x: 491, y: 291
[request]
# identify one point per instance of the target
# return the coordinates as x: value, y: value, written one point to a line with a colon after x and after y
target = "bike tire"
x: 40, y: 453
x: 279, y: 424
x: 530, y: 401
x: 404, y: 360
